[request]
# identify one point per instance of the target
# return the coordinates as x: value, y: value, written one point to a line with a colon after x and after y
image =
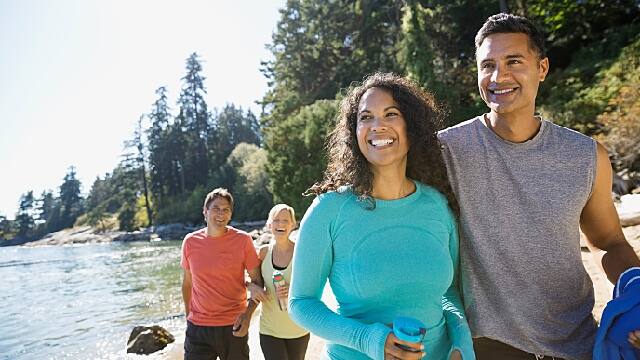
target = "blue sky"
x: 75, y: 76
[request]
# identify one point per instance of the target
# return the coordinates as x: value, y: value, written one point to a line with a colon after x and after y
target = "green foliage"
x: 126, y: 217
x: 8, y: 228
x: 98, y: 218
x: 575, y: 96
x: 142, y: 217
x: 71, y: 201
x: 621, y: 118
x: 571, y: 25
x: 321, y: 47
x: 193, y: 120
x: 24, y: 218
x: 438, y: 51
x: 245, y: 175
x: 183, y: 209
x: 231, y: 126
x: 296, y: 156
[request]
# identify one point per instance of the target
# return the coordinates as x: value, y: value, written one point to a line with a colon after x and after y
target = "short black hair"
x: 509, y: 23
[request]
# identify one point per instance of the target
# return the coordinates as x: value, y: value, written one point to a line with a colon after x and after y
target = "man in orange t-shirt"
x: 213, y: 287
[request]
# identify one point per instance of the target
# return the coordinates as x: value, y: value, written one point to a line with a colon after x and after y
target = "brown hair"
x: 218, y: 193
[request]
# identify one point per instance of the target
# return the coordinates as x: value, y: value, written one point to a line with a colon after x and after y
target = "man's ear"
x: 543, y: 68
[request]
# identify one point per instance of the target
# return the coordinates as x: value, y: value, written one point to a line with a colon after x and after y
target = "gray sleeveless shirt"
x: 522, y: 275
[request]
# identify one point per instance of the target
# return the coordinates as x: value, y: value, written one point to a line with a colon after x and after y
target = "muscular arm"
x: 600, y: 223
x: 186, y: 290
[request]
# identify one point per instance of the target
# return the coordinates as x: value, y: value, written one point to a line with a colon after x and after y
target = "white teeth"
x: 500, y: 92
x: 381, y: 142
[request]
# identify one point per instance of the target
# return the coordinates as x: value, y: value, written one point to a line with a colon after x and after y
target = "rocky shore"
x: 90, y: 235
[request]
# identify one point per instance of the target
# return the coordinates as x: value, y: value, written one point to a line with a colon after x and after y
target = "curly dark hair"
x: 423, y: 117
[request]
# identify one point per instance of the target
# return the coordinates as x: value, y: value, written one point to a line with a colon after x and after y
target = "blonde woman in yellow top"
x: 280, y: 337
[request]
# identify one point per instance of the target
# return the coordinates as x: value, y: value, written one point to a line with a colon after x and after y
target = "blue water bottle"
x: 409, y: 330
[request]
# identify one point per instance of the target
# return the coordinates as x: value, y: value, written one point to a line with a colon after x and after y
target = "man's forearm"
x: 617, y: 259
x: 251, y: 307
x: 186, y: 297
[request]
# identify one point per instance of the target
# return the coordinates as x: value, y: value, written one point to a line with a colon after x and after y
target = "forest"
x: 319, y: 49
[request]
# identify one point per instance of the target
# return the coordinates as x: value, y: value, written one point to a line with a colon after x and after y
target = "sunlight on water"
x: 81, y: 302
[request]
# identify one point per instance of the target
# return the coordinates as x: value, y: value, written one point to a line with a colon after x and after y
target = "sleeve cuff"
x: 461, y: 340
x: 374, y: 348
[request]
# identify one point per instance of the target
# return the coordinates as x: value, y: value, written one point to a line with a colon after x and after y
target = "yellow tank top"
x: 273, y: 321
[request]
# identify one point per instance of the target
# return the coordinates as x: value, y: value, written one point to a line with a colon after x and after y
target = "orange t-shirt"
x: 217, y: 265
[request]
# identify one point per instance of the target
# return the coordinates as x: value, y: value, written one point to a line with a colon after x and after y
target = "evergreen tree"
x: 71, y: 202
x: 296, y: 159
x: 319, y: 48
x: 47, y: 203
x: 160, y: 154
x: 193, y: 119
x: 231, y: 126
x: 7, y: 228
x: 25, y: 216
x: 438, y: 50
x: 136, y: 144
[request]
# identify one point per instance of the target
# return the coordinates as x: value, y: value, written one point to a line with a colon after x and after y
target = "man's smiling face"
x: 509, y: 73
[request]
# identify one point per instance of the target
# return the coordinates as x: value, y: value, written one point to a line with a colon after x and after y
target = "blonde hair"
x: 277, y: 208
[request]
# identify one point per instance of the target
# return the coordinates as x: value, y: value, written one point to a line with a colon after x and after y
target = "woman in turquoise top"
x: 381, y: 232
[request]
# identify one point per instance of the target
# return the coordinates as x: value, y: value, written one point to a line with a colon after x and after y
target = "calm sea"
x: 81, y: 302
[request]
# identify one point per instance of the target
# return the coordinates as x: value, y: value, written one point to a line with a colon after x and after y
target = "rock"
x: 133, y: 236
x: 264, y: 239
x: 255, y: 234
x: 629, y: 210
x: 147, y: 340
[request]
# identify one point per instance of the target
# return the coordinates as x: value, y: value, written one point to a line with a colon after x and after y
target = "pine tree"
x: 137, y: 145
x: 193, y: 119
x: 71, y: 202
x: 231, y: 126
x: 160, y: 154
x: 25, y: 216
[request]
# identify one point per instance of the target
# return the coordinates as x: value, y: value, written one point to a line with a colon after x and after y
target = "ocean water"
x: 81, y: 302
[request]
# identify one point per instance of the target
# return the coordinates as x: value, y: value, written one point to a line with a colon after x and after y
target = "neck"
x: 283, y: 243
x: 392, y: 185
x: 515, y: 129
x: 215, y: 230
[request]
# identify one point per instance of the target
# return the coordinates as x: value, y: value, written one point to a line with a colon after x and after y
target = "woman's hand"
x: 283, y: 291
x: 455, y: 355
x: 393, y: 352
x: 257, y: 293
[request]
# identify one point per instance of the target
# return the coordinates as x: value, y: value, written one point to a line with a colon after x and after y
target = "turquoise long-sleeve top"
x: 399, y: 259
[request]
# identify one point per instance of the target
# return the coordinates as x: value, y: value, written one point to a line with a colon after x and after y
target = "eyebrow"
x: 385, y: 109
x: 511, y: 56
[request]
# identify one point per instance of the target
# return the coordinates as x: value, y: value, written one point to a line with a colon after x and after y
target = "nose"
x: 499, y: 73
x: 378, y: 124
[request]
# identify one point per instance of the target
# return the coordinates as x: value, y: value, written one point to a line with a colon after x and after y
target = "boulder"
x: 148, y: 339
x: 629, y: 210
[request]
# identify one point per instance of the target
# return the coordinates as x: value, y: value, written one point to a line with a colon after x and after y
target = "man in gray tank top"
x: 525, y: 187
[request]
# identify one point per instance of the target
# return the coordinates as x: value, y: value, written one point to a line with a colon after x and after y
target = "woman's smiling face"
x: 282, y: 224
x: 381, y: 129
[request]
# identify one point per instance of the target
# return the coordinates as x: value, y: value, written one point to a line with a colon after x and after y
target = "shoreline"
x: 89, y: 235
